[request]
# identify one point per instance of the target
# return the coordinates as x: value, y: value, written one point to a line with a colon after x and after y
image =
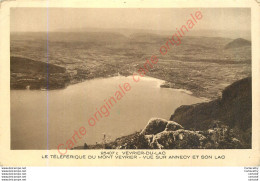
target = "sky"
x: 162, y: 19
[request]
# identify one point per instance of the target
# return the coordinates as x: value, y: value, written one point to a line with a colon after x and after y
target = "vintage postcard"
x: 129, y: 83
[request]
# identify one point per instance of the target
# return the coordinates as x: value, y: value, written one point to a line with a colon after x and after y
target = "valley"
x: 202, y: 65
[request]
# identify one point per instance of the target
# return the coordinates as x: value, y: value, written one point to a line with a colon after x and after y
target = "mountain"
x: 234, y: 109
x: 30, y: 74
x: 25, y: 65
x: 239, y: 42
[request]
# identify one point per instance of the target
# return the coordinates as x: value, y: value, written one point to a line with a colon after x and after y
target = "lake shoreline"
x: 164, y: 84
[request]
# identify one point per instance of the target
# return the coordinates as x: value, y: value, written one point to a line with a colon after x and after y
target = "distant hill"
x: 90, y: 37
x: 31, y: 74
x: 25, y: 65
x: 148, y: 38
x: 239, y: 42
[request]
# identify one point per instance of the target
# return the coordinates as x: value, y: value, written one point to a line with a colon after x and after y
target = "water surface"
x: 69, y: 109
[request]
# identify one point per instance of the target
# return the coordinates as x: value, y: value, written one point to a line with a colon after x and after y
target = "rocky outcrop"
x: 155, y: 126
x: 163, y: 134
x: 183, y: 139
x: 173, y: 126
x: 172, y: 135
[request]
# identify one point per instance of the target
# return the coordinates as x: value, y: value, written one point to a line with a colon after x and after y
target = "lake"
x: 70, y: 108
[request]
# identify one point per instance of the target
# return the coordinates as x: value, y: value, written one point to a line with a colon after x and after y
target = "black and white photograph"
x: 130, y: 78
